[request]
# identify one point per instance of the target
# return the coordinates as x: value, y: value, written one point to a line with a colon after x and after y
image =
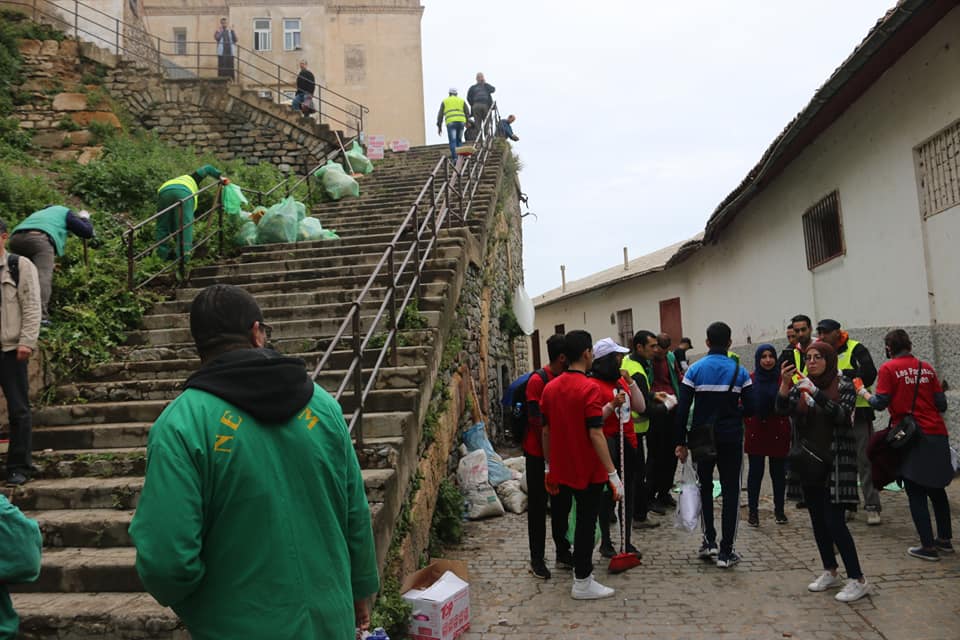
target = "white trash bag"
x: 688, y: 506
x: 523, y: 310
x: 473, y: 478
x: 512, y: 496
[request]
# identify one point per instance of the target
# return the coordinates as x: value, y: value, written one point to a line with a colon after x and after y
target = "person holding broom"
x: 170, y: 193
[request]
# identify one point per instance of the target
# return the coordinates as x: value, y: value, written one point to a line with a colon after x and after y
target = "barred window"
x: 625, y: 327
x: 938, y: 171
x: 559, y: 329
x: 822, y: 231
x: 179, y: 41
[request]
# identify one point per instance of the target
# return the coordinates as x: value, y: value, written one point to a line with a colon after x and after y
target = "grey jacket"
x: 19, y: 306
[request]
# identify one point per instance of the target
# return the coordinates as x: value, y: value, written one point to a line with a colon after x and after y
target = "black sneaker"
x: 564, y: 560
x: 632, y: 549
x: 727, y: 560
x: 656, y: 508
x: 539, y: 570
x: 930, y: 555
x: 780, y: 517
x: 607, y: 550
x: 753, y: 519
x: 943, y: 546
x: 708, y: 551
x: 16, y: 479
x: 645, y: 523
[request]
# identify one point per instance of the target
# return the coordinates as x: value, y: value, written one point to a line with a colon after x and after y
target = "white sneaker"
x: 854, y: 590
x: 826, y: 581
x: 589, y: 589
x: 873, y: 518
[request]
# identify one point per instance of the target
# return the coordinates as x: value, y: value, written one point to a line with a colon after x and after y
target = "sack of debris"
x: 359, y: 162
x: 233, y: 199
x: 310, y: 230
x: 280, y: 223
x: 512, y: 496
x: 335, y: 182
x: 481, y: 498
x: 246, y: 235
x: 476, y: 438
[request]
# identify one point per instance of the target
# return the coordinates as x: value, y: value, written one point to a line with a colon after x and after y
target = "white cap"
x: 607, y: 346
x: 453, y: 91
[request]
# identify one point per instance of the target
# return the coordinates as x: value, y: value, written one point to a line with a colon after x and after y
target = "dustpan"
x: 622, y: 561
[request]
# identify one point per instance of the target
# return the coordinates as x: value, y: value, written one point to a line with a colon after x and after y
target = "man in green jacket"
x: 253, y: 521
x: 170, y: 193
x: 19, y: 562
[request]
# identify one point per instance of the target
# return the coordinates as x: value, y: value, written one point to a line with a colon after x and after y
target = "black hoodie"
x: 271, y: 387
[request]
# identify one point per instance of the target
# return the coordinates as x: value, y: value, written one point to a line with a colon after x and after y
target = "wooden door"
x: 535, y: 343
x: 670, y: 321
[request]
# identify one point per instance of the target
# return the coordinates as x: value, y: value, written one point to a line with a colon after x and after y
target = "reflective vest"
x: 182, y: 181
x: 843, y: 362
x: 454, y: 109
x: 52, y: 221
x: 800, y: 364
x: 641, y: 424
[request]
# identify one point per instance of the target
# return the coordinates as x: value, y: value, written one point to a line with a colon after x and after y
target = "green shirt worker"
x: 170, y: 193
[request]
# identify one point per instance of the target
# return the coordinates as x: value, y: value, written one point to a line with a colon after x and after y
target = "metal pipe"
x: 563, y: 277
x: 626, y: 261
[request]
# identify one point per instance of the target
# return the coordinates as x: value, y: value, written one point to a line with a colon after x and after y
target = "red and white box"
x: 440, y: 597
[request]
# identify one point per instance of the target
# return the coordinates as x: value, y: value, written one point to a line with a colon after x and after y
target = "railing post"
x: 279, y: 95
x: 118, y: 36
x: 182, y: 258
x: 392, y: 292
x: 358, y: 372
x: 159, y: 66
x: 433, y: 202
x: 416, y: 248
x: 198, y: 58
x: 130, y: 238
x: 220, y: 220
x: 76, y: 19
x: 35, y: 10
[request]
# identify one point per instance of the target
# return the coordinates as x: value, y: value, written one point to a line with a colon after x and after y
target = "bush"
x: 21, y: 195
x: 447, y: 525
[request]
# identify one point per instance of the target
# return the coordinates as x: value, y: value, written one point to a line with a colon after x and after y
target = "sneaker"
x: 564, y: 560
x: 645, y: 523
x: 16, y: 479
x: 826, y: 581
x: 632, y: 549
x: 607, y: 550
x: 589, y: 589
x: 753, y: 519
x: 924, y: 554
x: 873, y: 518
x: 853, y: 591
x: 780, y: 517
x: 656, y: 508
x: 943, y: 546
x: 708, y: 551
x: 727, y: 560
x: 539, y: 570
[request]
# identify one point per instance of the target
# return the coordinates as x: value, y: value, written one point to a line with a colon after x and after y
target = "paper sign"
x: 399, y: 145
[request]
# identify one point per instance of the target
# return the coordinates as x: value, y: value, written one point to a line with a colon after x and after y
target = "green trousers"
x: 170, y: 221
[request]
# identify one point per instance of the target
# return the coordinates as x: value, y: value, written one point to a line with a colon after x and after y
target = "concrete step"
x: 77, y: 493
x: 94, y: 616
x: 354, y: 241
x: 86, y: 570
x: 99, y: 413
x: 294, y: 252
x: 101, y: 463
x: 83, y: 527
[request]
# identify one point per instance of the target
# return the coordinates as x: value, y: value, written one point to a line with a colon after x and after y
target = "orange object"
x: 623, y: 561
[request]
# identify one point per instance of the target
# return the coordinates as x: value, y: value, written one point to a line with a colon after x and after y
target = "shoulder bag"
x: 702, y: 439
x: 906, y: 431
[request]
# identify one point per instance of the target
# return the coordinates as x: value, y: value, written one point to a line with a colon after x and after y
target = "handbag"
x: 905, y: 433
x: 702, y: 440
x: 811, y: 454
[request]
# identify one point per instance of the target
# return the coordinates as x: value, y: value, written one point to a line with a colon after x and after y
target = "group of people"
x: 464, y: 118
x: 808, y: 410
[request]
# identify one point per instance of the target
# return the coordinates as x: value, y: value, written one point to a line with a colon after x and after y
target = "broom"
x: 623, y: 561
x: 346, y: 158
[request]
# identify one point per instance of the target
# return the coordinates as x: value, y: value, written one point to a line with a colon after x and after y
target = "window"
x: 938, y: 171
x: 291, y: 34
x: 560, y: 329
x: 179, y: 42
x: 261, y: 34
x: 625, y: 327
x: 822, y: 232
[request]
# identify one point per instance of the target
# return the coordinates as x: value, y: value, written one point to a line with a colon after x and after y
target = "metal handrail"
x: 433, y: 207
x: 112, y: 32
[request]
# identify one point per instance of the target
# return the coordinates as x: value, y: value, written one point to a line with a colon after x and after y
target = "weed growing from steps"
x: 447, y: 525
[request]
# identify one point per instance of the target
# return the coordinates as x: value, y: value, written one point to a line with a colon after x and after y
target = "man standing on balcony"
x: 455, y: 111
x: 306, y: 85
x: 226, y: 49
x: 480, y: 97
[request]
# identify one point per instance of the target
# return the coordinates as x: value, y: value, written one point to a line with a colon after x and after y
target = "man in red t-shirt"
x: 533, y: 451
x: 579, y: 462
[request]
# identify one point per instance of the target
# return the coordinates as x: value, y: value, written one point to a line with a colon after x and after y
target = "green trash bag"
x: 247, y: 235
x: 328, y: 234
x: 572, y: 525
x: 335, y: 182
x: 280, y: 223
x: 301, y: 209
x: 359, y: 162
x: 233, y: 199
x: 310, y: 229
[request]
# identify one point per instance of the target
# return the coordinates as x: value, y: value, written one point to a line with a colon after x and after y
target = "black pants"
x: 661, y: 456
x: 778, y: 476
x: 588, y: 506
x: 829, y: 529
x: 629, y: 488
x: 729, y: 463
x: 640, y: 499
x: 917, y: 495
x: 13, y: 381
x: 537, y: 497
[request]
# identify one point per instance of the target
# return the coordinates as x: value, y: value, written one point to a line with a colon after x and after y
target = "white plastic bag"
x: 472, y: 469
x: 472, y: 476
x: 688, y: 506
x: 523, y: 310
x: 512, y: 496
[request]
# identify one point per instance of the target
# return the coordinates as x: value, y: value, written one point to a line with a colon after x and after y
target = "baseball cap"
x: 453, y: 90
x: 607, y: 346
x: 828, y: 325
x: 221, y: 314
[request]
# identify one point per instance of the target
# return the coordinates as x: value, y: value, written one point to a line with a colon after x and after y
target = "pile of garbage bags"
x: 490, y: 485
x: 286, y: 221
x: 336, y: 182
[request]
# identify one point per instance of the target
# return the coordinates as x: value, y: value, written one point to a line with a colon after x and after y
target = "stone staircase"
x: 90, y: 444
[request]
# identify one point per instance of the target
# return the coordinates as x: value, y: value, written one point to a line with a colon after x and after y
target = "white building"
x: 853, y: 213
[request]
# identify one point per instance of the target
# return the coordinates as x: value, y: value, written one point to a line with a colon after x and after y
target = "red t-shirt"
x: 572, y: 404
x: 533, y: 441
x: 611, y: 426
x: 897, y: 378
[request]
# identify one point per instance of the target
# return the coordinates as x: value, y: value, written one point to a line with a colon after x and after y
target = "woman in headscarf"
x: 767, y: 436
x: 824, y: 456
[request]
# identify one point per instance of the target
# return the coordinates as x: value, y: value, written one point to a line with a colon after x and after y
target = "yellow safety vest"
x: 641, y: 424
x: 454, y: 109
x: 843, y: 362
x: 800, y: 363
x: 183, y: 181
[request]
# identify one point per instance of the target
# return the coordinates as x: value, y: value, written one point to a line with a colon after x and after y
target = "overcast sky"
x: 635, y: 118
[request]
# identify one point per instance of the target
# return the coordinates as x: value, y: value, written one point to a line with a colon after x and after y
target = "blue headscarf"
x: 765, y: 383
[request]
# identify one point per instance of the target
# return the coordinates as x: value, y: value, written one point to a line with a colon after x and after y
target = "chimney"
x: 563, y: 278
x: 626, y: 261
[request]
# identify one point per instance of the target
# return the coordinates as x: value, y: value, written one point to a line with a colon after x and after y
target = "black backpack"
x: 13, y: 265
x: 516, y: 413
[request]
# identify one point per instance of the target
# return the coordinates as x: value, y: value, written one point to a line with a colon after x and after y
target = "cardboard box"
x: 440, y: 596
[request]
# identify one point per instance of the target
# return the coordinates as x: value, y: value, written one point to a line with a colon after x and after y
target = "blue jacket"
x: 707, y: 381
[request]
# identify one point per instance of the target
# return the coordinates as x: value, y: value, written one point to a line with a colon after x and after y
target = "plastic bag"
x: 523, y: 310
x: 280, y: 223
x: 359, y: 162
x: 512, y: 496
x: 688, y: 506
x: 476, y: 438
x: 335, y: 182
x: 310, y: 229
x: 481, y: 498
x: 246, y: 235
x: 572, y: 526
x: 233, y: 199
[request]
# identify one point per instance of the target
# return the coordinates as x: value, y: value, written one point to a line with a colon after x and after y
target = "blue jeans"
x: 455, y: 135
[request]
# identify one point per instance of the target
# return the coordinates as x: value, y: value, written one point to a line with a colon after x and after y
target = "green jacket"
x: 253, y: 525
x: 674, y: 381
x: 20, y: 561
x: 52, y: 221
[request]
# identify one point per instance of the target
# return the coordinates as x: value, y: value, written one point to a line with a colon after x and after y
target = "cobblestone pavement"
x: 676, y: 596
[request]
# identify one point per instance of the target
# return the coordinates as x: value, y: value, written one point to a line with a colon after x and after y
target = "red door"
x: 670, y: 322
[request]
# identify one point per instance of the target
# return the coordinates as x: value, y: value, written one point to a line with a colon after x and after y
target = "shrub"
x: 21, y: 195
